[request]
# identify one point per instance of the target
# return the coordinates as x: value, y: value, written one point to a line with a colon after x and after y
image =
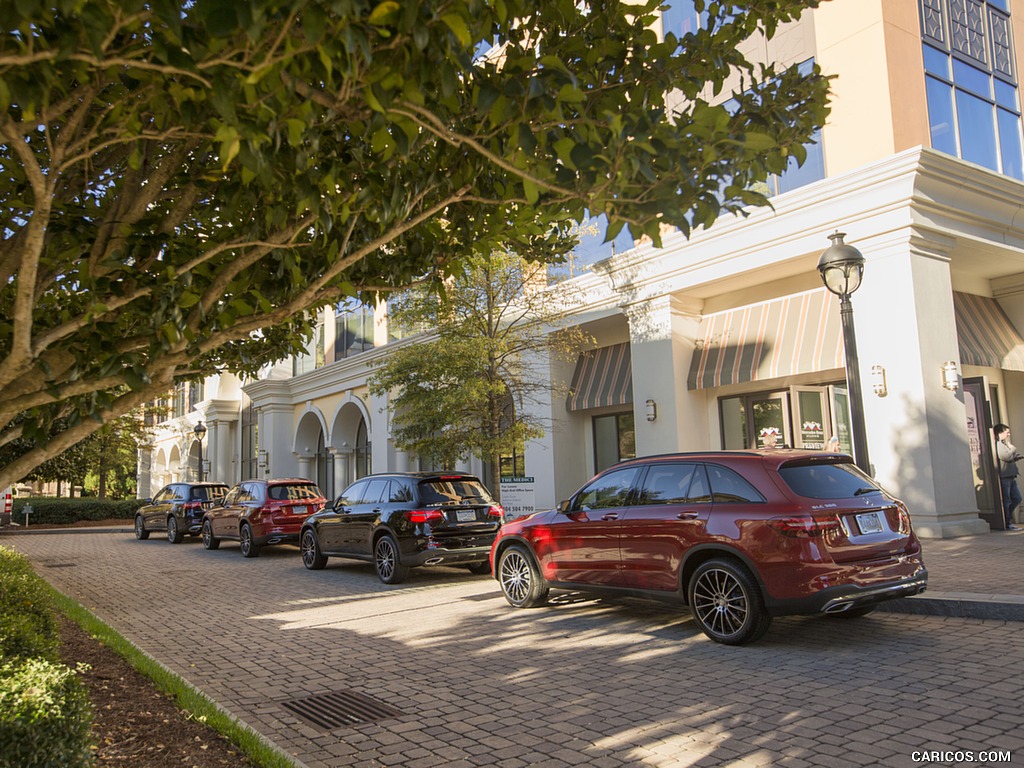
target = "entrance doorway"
x: 982, y: 445
x: 801, y: 416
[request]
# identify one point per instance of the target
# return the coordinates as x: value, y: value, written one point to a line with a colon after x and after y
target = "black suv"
x: 402, y: 520
x: 178, y: 509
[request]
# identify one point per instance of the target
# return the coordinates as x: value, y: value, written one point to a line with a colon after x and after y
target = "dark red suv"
x: 739, y: 537
x: 261, y: 512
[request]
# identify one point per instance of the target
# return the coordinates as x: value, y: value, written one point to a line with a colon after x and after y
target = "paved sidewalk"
x: 466, y: 681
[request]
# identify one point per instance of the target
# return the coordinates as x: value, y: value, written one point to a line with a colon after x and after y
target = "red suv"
x: 261, y: 512
x: 738, y: 537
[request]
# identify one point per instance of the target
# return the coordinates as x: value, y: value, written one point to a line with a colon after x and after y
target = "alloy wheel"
x: 726, y: 602
x: 515, y: 577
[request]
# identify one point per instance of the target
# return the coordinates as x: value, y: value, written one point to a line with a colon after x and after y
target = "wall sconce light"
x: 878, y: 385
x: 652, y: 410
x: 950, y: 376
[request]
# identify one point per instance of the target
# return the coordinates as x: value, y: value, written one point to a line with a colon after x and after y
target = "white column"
x: 663, y: 332
x: 917, y: 434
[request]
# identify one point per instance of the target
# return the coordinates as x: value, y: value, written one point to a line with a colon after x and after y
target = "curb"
x: 963, y: 605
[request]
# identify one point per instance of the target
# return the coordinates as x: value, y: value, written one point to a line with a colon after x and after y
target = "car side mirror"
x: 147, y: 501
x: 563, y: 506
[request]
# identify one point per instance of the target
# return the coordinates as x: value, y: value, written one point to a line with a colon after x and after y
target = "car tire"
x: 853, y: 613
x: 520, y: 578
x: 248, y: 547
x: 209, y: 540
x: 480, y: 569
x: 726, y: 603
x: 140, y: 529
x: 312, y: 557
x: 174, y: 534
x: 387, y: 562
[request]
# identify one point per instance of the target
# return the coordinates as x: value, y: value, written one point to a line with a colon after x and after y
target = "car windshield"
x: 823, y: 480
x: 209, y: 492
x: 453, y: 491
x: 294, y: 492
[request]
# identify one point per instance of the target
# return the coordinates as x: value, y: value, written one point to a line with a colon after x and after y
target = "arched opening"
x: 324, y: 467
x: 363, y: 462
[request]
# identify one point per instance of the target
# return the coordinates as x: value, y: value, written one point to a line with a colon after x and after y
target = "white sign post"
x: 517, y: 497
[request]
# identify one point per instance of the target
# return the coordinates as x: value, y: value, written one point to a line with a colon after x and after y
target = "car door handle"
x: 687, y: 515
x: 610, y: 516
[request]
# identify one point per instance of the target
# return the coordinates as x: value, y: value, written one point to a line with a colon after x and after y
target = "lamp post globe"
x: 200, y: 433
x: 841, y: 267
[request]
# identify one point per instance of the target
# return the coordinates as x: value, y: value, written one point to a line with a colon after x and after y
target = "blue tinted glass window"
x: 1010, y: 144
x: 680, y: 18
x: 973, y: 106
x: 936, y: 62
x: 971, y: 78
x: 976, y: 124
x: 940, y: 116
x: 813, y: 168
x: 1006, y: 95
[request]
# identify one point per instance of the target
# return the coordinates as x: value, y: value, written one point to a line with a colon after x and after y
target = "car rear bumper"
x: 289, y: 535
x: 442, y: 556
x: 845, y: 597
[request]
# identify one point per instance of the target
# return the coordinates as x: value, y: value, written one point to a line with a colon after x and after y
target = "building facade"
x: 722, y: 339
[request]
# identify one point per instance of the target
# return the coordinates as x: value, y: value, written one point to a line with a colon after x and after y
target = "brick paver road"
x: 583, y: 682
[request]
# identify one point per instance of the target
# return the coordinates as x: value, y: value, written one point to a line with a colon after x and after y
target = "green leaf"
x: 457, y: 25
x: 384, y: 14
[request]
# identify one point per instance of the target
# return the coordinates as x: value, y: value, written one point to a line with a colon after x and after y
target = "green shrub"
x: 28, y: 623
x: 50, y: 510
x: 45, y: 718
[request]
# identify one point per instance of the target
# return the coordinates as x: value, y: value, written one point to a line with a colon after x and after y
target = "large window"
x: 971, y: 82
x: 353, y: 329
x: 614, y: 439
x: 250, y: 440
x: 680, y: 18
x: 314, y: 356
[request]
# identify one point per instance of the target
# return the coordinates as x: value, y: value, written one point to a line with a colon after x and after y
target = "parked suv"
x: 402, y: 520
x: 739, y: 537
x: 178, y: 509
x: 261, y: 512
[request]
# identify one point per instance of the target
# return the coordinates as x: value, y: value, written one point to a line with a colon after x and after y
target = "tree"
x: 181, y: 182
x: 466, y: 387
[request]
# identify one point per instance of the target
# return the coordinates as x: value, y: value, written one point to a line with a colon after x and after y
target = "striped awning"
x: 801, y: 333
x: 985, y: 334
x: 603, y: 377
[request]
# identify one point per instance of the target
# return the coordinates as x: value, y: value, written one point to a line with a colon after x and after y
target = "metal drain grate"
x: 339, y: 709
x: 59, y: 565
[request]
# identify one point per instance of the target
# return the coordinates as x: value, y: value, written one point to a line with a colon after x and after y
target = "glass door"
x: 771, y: 420
x: 983, y: 462
x: 810, y: 417
x: 840, y: 420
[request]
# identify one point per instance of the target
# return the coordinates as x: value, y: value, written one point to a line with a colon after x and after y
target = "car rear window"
x: 209, y: 492
x: 822, y: 480
x: 453, y: 491
x: 294, y: 492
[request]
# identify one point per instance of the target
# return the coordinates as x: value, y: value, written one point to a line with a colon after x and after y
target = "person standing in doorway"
x: 1008, y: 457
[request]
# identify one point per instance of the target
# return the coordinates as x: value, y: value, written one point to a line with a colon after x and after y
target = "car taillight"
x: 193, y: 506
x: 808, y: 527
x: 496, y: 510
x: 424, y: 515
x: 904, y: 524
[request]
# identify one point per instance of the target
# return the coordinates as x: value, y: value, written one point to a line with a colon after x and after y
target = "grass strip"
x: 188, y: 698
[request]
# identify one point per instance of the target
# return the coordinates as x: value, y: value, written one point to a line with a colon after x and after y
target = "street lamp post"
x: 842, y: 267
x: 200, y: 433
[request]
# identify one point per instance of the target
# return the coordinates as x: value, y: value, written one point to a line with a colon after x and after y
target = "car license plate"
x: 466, y: 516
x: 300, y: 510
x: 869, y: 522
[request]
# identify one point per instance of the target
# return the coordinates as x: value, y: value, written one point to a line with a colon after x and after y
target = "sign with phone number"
x: 517, y: 497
